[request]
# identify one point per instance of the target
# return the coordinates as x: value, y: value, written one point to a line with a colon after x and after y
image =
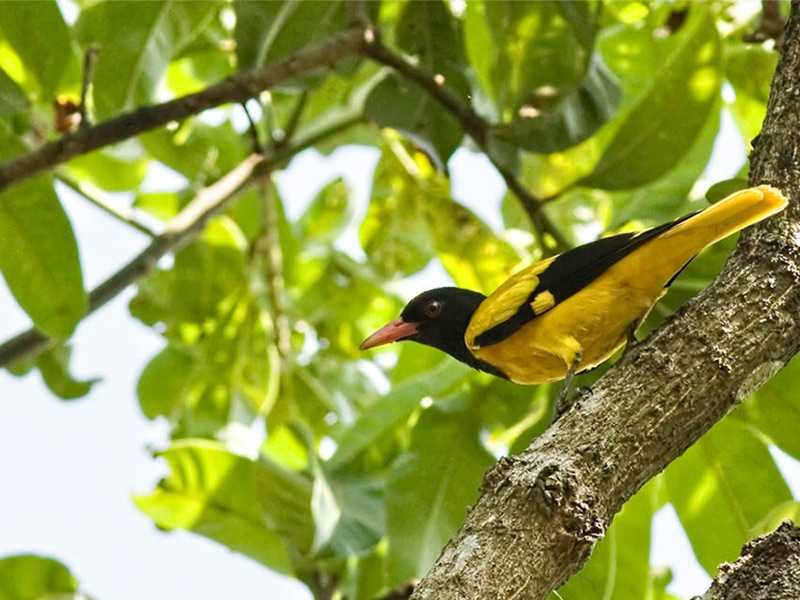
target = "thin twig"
x: 254, y: 137
x: 237, y: 88
x: 771, y: 25
x: 294, y: 118
x: 107, y: 204
x: 179, y: 231
x: 269, y: 247
x: 89, y: 60
x: 473, y: 125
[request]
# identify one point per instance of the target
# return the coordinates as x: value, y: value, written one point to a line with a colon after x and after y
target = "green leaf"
x: 667, y: 197
x: 395, y: 407
x: 722, y: 488
x: 348, y: 513
x: 428, y: 31
x: 328, y: 214
x: 324, y: 296
x: 658, y: 131
x: 268, y: 31
x: 39, y: 257
x: 54, y: 367
x: 108, y: 171
x: 31, y: 577
x: 12, y: 97
x: 470, y: 252
x: 572, y: 120
x: 723, y: 189
x: 284, y: 498
x: 505, y: 38
x: 208, y: 270
x: 775, y: 409
x: 395, y: 234
x: 248, y: 506
x: 749, y: 69
x: 201, y: 152
x: 619, y: 566
x: 42, y: 41
x: 366, y: 577
x: 164, y: 382
x: 137, y: 41
x: 429, y: 489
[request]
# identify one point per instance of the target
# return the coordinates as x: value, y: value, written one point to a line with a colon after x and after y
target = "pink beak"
x: 391, y: 332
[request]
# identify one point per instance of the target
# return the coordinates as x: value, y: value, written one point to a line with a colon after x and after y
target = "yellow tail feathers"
x: 733, y: 213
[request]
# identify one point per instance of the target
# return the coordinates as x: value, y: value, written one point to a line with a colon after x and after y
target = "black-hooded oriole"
x: 570, y: 312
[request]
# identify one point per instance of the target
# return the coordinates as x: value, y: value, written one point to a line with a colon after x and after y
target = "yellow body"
x: 592, y: 323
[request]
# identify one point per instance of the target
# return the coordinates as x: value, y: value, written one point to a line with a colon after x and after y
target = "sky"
x: 70, y: 468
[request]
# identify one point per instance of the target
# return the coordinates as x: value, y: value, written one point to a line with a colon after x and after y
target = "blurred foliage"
x: 349, y: 470
x: 31, y: 577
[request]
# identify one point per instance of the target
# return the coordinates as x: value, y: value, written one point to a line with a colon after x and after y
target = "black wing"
x: 572, y: 271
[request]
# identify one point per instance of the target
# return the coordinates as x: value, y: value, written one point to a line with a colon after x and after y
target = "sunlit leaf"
x: 267, y: 31
x: 775, y: 409
x: 108, y: 171
x: 395, y: 407
x: 40, y: 37
x: 749, y: 69
x: 505, y: 38
x: 576, y: 117
x: 200, y: 152
x: 229, y: 499
x: 54, y: 367
x: 136, y: 41
x: 429, y: 490
x: 650, y: 140
x: 39, y: 256
x: 164, y: 381
x: 12, y: 97
x: 722, y: 488
x: 348, y: 513
x: 31, y: 577
x: 327, y: 215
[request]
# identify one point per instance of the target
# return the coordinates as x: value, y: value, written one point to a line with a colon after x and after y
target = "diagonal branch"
x: 768, y: 569
x: 473, y: 125
x: 235, y: 89
x: 178, y: 232
x: 541, y: 512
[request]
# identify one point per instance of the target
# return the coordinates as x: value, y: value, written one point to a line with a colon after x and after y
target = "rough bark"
x: 768, y: 569
x: 540, y: 512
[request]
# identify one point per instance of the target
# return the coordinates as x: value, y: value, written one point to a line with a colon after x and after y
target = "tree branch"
x: 473, y: 125
x: 178, y: 232
x: 101, y: 200
x: 768, y: 569
x: 541, y: 512
x: 236, y: 88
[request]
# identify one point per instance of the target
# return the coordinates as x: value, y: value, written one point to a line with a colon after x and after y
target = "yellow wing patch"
x: 542, y: 302
x: 504, y: 302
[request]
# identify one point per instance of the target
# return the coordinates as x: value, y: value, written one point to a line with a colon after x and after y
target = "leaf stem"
x: 107, y: 204
x: 89, y: 61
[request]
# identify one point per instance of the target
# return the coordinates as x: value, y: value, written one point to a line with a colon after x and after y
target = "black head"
x: 437, y: 318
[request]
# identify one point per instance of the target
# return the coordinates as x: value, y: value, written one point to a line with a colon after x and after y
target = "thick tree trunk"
x: 768, y: 569
x: 540, y: 512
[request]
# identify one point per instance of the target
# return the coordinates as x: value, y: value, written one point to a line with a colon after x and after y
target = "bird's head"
x: 437, y: 318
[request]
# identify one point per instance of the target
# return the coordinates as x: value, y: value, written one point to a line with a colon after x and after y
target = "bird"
x: 571, y: 312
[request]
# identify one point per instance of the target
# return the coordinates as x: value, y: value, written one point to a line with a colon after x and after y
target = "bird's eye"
x: 433, y: 309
